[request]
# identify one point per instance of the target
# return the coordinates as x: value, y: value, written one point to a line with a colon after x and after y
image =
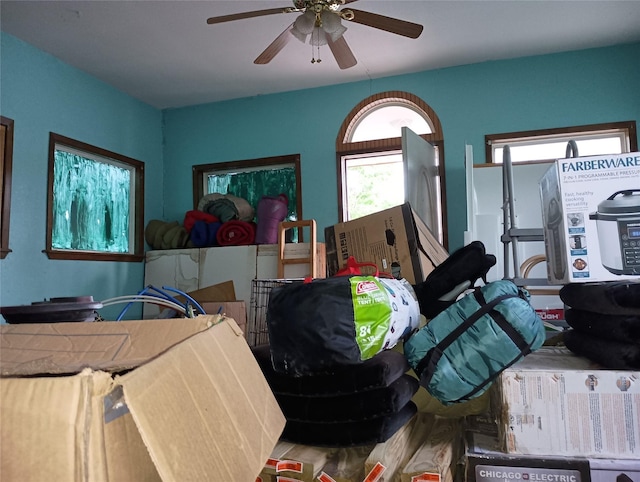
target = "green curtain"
x: 252, y: 185
x: 90, y: 205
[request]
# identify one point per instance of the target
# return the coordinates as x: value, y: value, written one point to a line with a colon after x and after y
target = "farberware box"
x: 591, y: 218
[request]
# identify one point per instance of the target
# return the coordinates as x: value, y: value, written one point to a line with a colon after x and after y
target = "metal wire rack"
x: 257, y: 332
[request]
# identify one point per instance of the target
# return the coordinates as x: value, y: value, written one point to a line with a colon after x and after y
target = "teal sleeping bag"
x: 459, y: 353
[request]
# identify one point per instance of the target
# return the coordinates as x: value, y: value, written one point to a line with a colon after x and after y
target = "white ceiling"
x: 164, y: 53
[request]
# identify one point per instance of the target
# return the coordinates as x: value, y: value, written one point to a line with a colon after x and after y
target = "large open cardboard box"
x: 395, y: 240
x: 170, y: 400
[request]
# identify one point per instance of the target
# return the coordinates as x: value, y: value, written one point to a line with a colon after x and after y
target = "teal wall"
x: 575, y: 88
x: 43, y: 94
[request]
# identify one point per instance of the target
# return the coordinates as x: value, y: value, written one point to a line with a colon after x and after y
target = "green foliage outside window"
x: 374, y: 187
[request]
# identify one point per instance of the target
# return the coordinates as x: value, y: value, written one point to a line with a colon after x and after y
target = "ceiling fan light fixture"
x: 304, y: 25
x: 300, y: 36
x: 321, y: 22
x: 335, y: 35
x: 332, y: 25
x: 318, y: 37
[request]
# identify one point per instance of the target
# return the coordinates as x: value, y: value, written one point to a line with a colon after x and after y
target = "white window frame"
x: 135, y: 251
x: 383, y: 144
x: 623, y: 132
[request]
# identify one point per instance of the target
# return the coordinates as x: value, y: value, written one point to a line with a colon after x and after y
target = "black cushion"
x: 610, y: 354
x: 379, y: 371
x: 348, y: 434
x: 362, y: 405
x: 467, y: 264
x: 608, y: 298
x: 624, y: 328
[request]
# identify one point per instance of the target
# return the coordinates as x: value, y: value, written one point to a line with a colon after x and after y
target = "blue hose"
x: 182, y: 293
x: 162, y: 295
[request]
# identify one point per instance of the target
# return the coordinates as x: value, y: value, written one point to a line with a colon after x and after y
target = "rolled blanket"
x: 245, y: 210
x: 271, y: 211
x: 165, y: 235
x: 191, y: 217
x: 203, y: 234
x: 223, y: 209
x: 236, y: 233
x: 226, y: 207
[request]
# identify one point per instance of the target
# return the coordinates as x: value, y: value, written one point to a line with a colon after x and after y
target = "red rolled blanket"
x: 236, y: 233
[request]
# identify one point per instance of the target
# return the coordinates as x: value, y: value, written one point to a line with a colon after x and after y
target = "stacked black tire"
x: 605, y: 322
x: 351, y: 406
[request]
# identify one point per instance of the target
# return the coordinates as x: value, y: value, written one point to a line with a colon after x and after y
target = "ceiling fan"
x: 321, y: 22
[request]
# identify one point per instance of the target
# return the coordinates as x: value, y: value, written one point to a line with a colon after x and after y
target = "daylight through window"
x: 373, y: 157
x: 549, y: 144
x: 93, y: 208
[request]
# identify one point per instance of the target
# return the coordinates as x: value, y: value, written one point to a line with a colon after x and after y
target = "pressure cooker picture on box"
x: 591, y: 218
x: 618, y: 223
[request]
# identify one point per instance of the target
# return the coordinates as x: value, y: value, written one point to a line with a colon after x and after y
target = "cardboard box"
x: 396, y: 240
x: 211, y: 299
x: 555, y: 403
x: 231, y: 309
x: 591, y: 218
x: 218, y: 292
x: 484, y: 462
x: 178, y: 399
x: 346, y: 464
x: 391, y: 456
x: 435, y: 460
x: 296, y: 463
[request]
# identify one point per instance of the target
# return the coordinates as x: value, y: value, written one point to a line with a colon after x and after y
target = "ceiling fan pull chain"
x: 315, y: 44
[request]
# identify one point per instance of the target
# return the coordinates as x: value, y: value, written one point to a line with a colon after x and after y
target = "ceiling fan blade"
x: 255, y: 13
x: 342, y: 53
x: 389, y: 24
x: 274, y: 47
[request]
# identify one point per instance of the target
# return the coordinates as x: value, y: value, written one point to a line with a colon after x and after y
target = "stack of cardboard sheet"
x: 425, y: 449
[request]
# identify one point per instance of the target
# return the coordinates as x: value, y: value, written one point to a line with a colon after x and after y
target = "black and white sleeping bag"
x: 459, y: 353
x: 344, y: 320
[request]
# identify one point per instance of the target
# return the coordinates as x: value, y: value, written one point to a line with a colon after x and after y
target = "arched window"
x: 373, y: 158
